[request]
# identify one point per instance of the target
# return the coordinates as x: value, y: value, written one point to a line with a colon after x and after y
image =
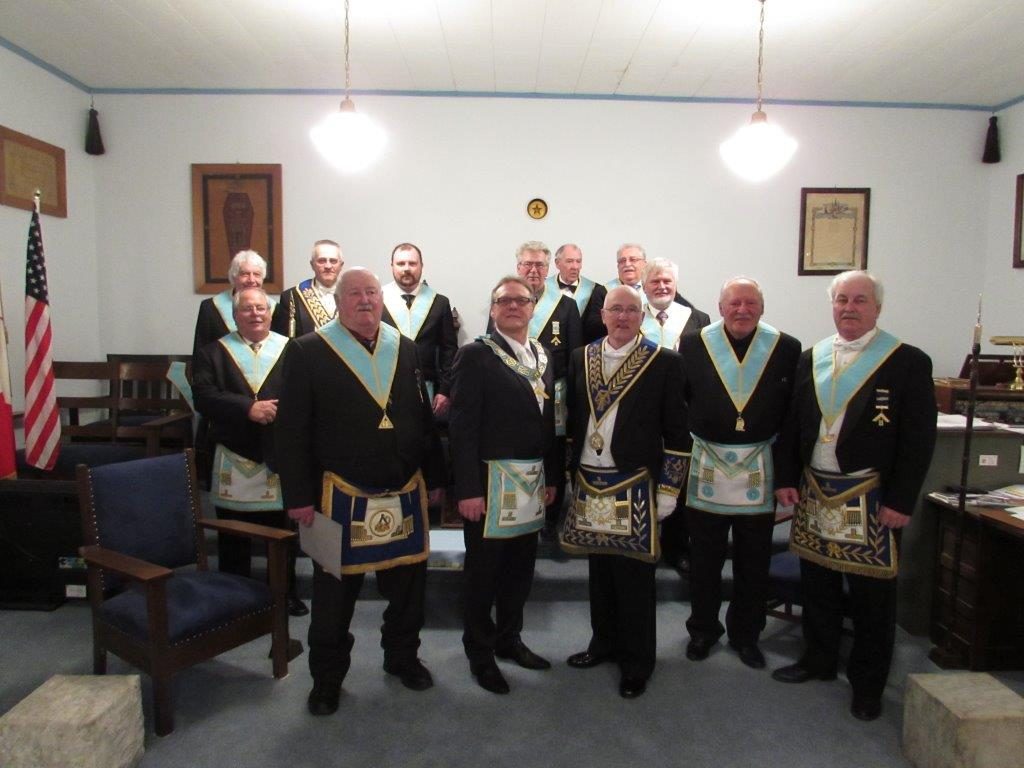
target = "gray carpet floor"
x: 231, y: 712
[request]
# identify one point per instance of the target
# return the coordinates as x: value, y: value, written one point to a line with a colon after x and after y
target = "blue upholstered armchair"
x: 154, y: 603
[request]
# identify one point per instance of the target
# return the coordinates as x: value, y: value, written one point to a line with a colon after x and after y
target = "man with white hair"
x: 311, y: 304
x: 666, y: 320
x: 216, y: 318
x: 738, y: 374
x: 858, y: 440
x: 588, y: 295
x: 356, y: 443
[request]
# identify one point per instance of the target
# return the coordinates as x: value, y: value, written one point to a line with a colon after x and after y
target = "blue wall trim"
x: 491, y: 94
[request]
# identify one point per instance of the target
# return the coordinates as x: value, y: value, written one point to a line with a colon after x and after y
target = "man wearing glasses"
x: 629, y: 437
x: 505, y: 460
x: 311, y: 304
x: 235, y: 382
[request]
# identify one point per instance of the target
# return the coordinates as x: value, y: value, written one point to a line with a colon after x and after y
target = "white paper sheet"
x: 322, y: 542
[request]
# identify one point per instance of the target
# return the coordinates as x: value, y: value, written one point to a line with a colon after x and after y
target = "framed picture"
x: 27, y: 165
x: 833, y: 230
x: 1018, y: 222
x: 235, y: 207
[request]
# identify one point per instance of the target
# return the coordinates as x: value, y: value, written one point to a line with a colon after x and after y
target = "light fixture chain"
x: 348, y: 72
x: 760, y: 55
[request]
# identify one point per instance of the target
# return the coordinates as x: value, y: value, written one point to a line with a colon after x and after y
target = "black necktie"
x: 409, y: 299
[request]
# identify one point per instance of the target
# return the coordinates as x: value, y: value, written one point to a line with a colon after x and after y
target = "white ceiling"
x: 952, y: 52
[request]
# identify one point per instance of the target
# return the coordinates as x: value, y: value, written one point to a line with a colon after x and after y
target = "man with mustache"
x: 425, y: 316
x: 858, y: 439
x: 738, y: 375
x: 355, y: 442
x: 216, y: 314
x: 311, y: 304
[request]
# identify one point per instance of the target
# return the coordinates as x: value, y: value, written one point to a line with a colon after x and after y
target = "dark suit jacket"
x: 304, y: 322
x: 209, y: 326
x: 650, y: 418
x: 570, y: 335
x: 223, y: 396
x: 695, y: 322
x: 437, y: 343
x: 711, y: 413
x: 494, y: 415
x: 326, y: 420
x: 592, y: 324
x: 900, y: 449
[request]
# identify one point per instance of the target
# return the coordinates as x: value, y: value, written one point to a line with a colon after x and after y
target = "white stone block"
x: 75, y: 721
x: 962, y: 720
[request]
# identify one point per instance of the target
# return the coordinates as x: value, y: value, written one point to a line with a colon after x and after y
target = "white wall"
x: 40, y: 105
x: 458, y: 175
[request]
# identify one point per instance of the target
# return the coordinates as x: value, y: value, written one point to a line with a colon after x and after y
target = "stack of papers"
x: 1010, y: 496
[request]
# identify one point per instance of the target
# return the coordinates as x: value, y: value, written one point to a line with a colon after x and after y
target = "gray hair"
x: 562, y: 248
x: 236, y: 298
x: 348, y: 274
x: 533, y: 245
x: 512, y: 279
x: 741, y: 279
x: 245, y: 257
x: 624, y: 246
x: 842, y: 277
x: 659, y: 265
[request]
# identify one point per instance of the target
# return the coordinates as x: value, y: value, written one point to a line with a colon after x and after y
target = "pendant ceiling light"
x: 760, y: 149
x: 348, y: 140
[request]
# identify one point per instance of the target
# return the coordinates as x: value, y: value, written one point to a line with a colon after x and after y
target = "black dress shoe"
x: 523, y: 656
x: 749, y: 654
x: 586, y: 659
x: 631, y: 687
x: 296, y: 607
x: 866, y: 708
x: 698, y: 648
x: 800, y: 673
x: 490, y: 679
x: 323, y: 699
x: 413, y: 674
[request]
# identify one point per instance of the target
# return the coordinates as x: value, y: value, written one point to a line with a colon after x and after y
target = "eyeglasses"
x: 255, y: 309
x: 508, y: 301
x: 529, y: 265
x: 630, y: 260
x: 631, y: 310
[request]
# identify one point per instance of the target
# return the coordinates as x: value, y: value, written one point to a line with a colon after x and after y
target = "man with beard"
x: 425, y: 316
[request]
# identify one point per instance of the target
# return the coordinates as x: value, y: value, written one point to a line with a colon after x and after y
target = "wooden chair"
x: 148, y: 408
x: 85, y: 417
x: 141, y: 527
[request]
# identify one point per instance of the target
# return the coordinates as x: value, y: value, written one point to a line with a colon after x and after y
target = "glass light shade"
x: 758, y: 150
x: 348, y: 140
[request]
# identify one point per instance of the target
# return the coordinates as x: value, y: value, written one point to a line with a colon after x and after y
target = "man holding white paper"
x: 356, y: 443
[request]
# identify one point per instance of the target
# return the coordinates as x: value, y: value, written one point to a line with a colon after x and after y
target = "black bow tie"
x: 564, y: 286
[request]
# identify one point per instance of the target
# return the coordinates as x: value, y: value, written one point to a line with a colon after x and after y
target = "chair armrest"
x: 171, y: 418
x: 252, y: 530
x: 124, y: 565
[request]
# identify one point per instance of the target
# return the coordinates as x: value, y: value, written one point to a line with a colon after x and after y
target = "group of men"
x: 675, y: 432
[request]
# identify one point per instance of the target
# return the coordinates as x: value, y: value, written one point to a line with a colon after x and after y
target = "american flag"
x: 42, y: 422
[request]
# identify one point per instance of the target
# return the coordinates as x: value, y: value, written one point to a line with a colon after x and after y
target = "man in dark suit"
x: 738, y: 376
x: 667, y: 316
x: 504, y: 456
x: 424, y: 316
x: 588, y: 295
x: 355, y: 430
x: 235, y: 382
x: 629, y: 435
x: 216, y: 318
x: 311, y: 304
x: 858, y: 440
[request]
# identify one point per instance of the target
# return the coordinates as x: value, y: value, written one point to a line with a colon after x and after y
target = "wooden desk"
x: 988, y: 623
